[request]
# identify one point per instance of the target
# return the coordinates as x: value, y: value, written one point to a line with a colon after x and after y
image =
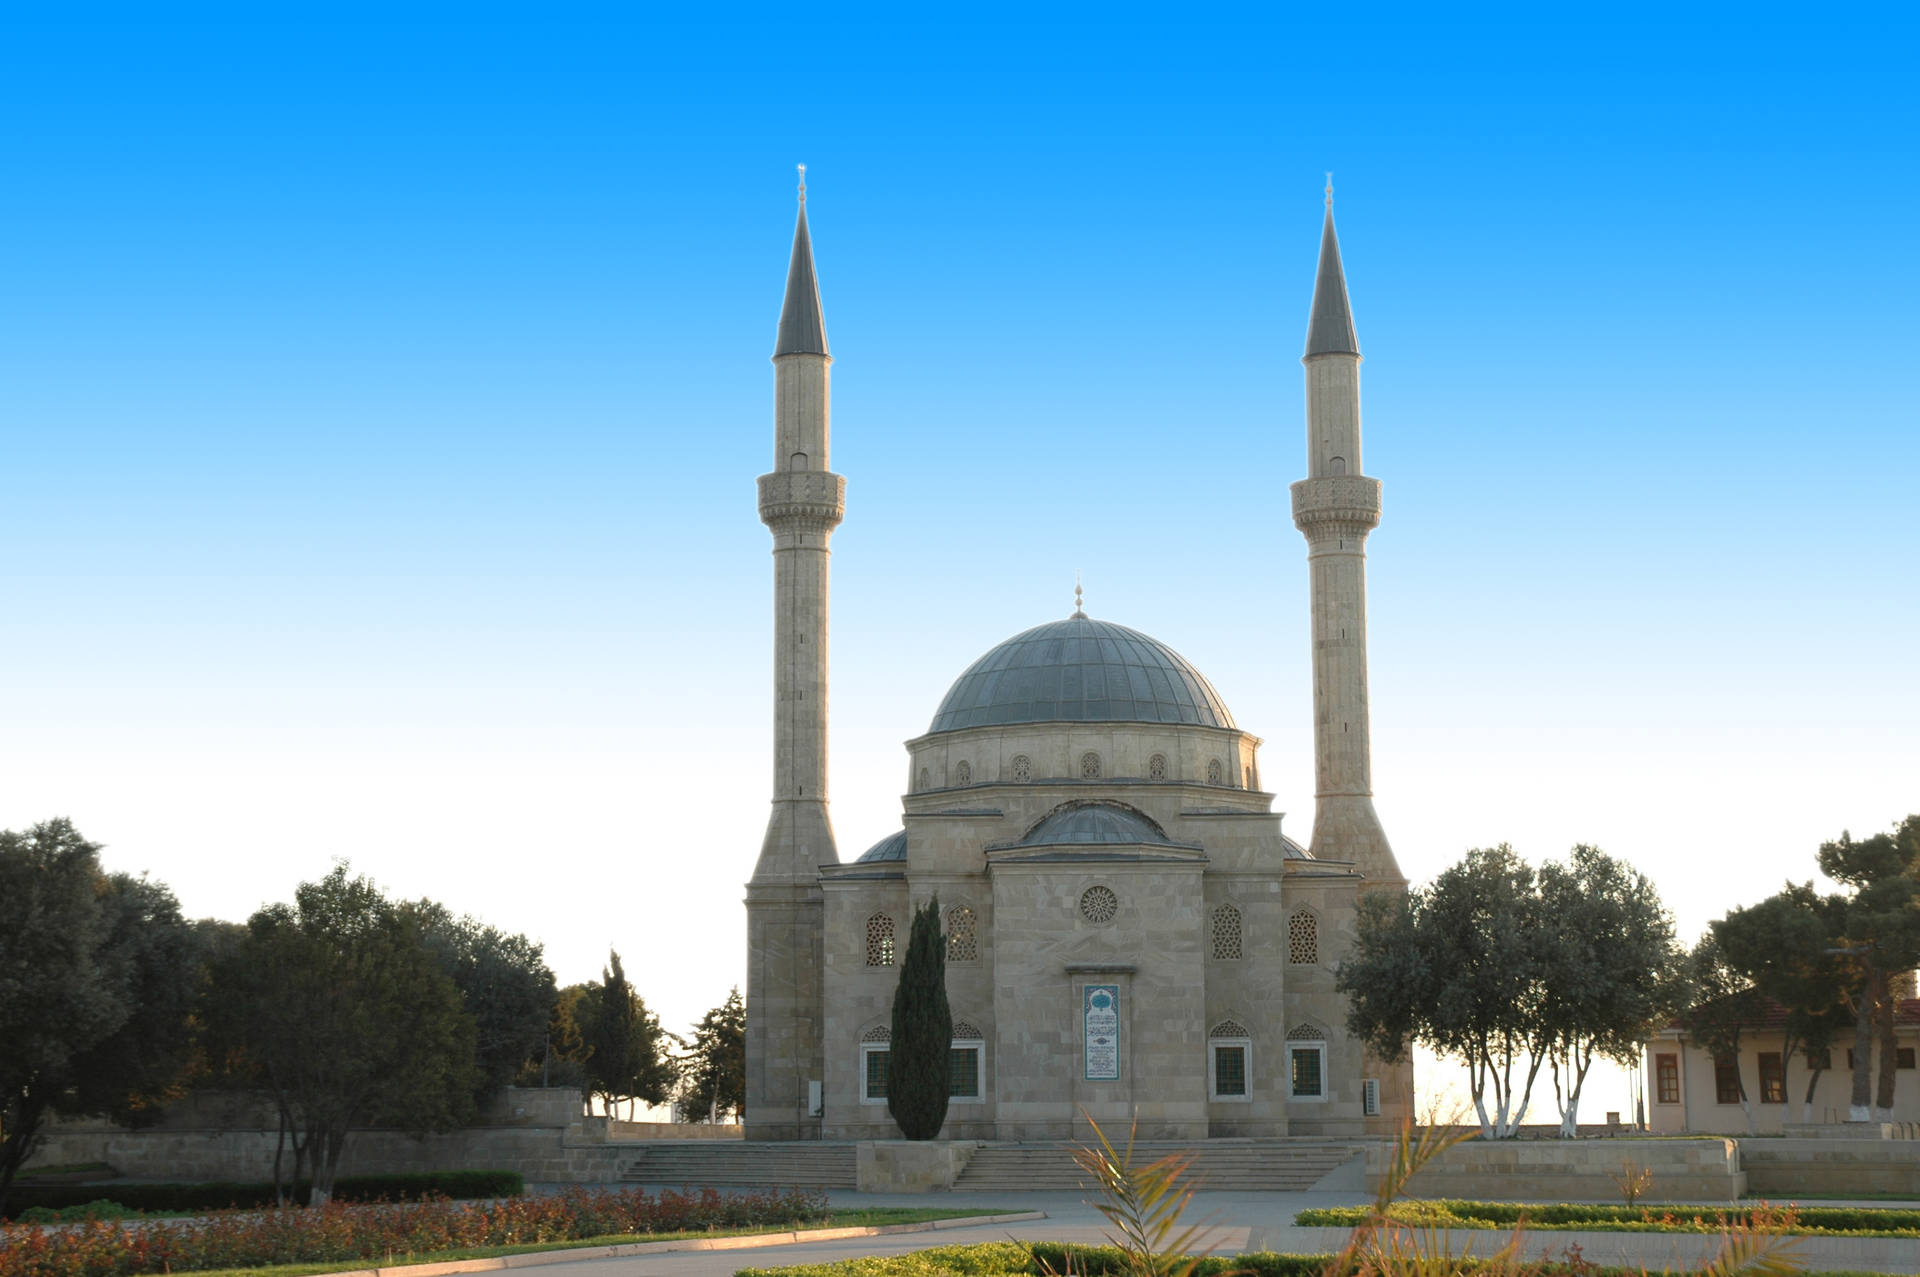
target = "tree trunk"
x: 326, y: 1165
x: 18, y: 1141
x: 1806, y: 1105
x: 1860, y: 1109
x: 1889, y: 1053
x: 279, y: 1153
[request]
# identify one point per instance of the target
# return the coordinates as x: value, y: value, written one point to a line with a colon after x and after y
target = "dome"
x: 892, y: 847
x: 1094, y: 823
x: 1080, y: 671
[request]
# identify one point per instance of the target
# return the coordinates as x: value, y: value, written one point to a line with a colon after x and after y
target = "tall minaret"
x: 801, y: 502
x: 1335, y: 507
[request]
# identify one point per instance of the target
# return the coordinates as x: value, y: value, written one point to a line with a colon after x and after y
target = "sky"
x: 381, y: 402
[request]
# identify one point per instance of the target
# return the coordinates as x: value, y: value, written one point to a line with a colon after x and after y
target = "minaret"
x: 801, y: 503
x: 1335, y: 507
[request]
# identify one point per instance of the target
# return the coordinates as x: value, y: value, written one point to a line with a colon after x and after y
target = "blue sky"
x: 380, y: 406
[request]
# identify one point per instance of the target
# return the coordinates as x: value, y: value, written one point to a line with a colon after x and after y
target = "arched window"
x: 878, y: 1033
x: 1022, y: 768
x: 963, y: 773
x: 876, y: 1055
x: 1089, y: 766
x: 1249, y: 775
x: 965, y: 1059
x: 1306, y: 1063
x: 798, y: 461
x: 1229, y: 1060
x: 1336, y: 465
x: 1226, y: 934
x: 963, y: 937
x: 1214, y: 771
x: 963, y: 1031
x: 926, y: 779
x: 1303, y: 939
x: 1157, y: 767
x: 880, y: 941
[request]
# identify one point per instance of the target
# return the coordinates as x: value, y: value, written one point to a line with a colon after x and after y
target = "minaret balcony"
x: 813, y: 500
x: 1338, y: 502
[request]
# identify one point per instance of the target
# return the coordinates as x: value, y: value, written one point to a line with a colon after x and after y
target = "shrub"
x: 219, y: 1195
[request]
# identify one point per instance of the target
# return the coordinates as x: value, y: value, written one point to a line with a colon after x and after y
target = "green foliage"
x: 1144, y: 1205
x: 624, y: 1049
x: 1856, y: 1221
x: 342, y: 1233
x: 221, y: 1195
x: 1880, y: 924
x: 97, y: 974
x: 504, y: 985
x: 336, y: 1006
x: 919, y: 1064
x: 562, y: 1059
x: 1790, y: 949
x: 713, y: 1081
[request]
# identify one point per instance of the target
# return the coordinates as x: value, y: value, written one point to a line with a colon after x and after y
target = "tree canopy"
x: 98, y: 973
x: 920, y: 1053
x: 504, y: 985
x: 624, y: 1049
x: 713, y: 1081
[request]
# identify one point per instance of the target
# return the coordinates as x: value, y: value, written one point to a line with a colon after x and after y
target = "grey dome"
x: 892, y: 847
x: 1080, y: 671
x: 1094, y: 823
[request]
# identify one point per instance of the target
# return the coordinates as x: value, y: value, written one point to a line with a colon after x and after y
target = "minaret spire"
x: 801, y: 502
x: 1335, y: 507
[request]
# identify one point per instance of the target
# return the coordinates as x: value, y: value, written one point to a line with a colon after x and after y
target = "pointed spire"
x: 1330, y: 325
x: 803, y: 329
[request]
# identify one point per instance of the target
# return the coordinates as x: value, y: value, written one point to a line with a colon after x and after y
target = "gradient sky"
x: 380, y: 407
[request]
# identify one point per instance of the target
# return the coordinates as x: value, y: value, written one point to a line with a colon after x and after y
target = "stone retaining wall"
x: 1784, y: 1168
x: 1691, y: 1170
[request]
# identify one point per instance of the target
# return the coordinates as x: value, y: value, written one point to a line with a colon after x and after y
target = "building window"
x: 1903, y: 1057
x: 926, y: 779
x: 1249, y: 776
x: 1229, y: 1050
x: 1666, y: 1078
x: 1022, y: 768
x: 963, y: 773
x: 1726, y: 1079
x: 1773, y: 1078
x: 1089, y: 766
x: 1819, y: 1061
x: 1370, y: 1097
x: 1098, y: 905
x: 1306, y: 1063
x: 1303, y: 939
x: 875, y: 1052
x: 1226, y: 934
x: 880, y: 941
x: 1157, y: 767
x: 963, y: 936
x: 1214, y: 771
x: 965, y: 1055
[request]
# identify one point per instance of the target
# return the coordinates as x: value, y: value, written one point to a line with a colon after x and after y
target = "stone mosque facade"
x: 1129, y: 932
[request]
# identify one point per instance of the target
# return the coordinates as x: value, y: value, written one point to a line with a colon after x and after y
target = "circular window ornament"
x: 1098, y: 905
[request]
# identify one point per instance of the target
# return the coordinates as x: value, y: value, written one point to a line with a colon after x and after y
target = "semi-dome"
x: 1080, y: 671
x: 892, y: 847
x: 1094, y: 823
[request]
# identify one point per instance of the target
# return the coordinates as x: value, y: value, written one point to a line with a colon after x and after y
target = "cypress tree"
x: 919, y: 1065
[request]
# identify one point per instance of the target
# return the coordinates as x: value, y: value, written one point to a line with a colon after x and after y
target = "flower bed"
x: 1816, y: 1221
x: 340, y: 1232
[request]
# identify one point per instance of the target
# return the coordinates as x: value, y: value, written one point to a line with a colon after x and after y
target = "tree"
x: 625, y: 1049
x: 714, y: 1082
x: 1724, y: 1006
x: 504, y: 985
x: 97, y: 974
x: 336, y: 1006
x: 1457, y: 965
x: 1609, y: 969
x: 920, y: 1057
x: 1788, y: 947
x: 1881, y: 927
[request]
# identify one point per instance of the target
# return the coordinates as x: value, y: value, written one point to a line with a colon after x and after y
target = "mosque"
x: 1129, y: 932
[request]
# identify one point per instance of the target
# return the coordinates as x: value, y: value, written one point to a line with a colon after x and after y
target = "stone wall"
x: 1784, y: 1168
x: 1702, y: 1170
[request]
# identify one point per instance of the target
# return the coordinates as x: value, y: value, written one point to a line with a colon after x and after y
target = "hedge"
x: 219, y: 1195
x: 1855, y: 1221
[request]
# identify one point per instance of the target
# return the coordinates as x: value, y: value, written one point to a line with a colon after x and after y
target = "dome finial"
x: 1079, y: 606
x: 803, y: 182
x: 803, y: 169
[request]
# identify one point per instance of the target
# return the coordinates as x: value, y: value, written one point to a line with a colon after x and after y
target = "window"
x: 1903, y: 1057
x: 963, y: 936
x: 1306, y: 1063
x: 1098, y: 905
x: 1666, y: 1079
x: 880, y: 941
x: 1089, y: 766
x: 1022, y: 768
x: 1726, y: 1079
x: 1303, y: 939
x: 1249, y: 776
x: 875, y: 1053
x: 1226, y: 934
x: 1157, y: 767
x: 926, y: 779
x: 1214, y: 771
x: 1819, y: 1061
x: 1229, y: 1048
x: 964, y: 1056
x: 963, y: 773
x: 1370, y: 1096
x: 1773, y: 1078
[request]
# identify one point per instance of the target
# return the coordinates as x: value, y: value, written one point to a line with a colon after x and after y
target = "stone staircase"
x: 1225, y: 1165
x: 736, y: 1163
